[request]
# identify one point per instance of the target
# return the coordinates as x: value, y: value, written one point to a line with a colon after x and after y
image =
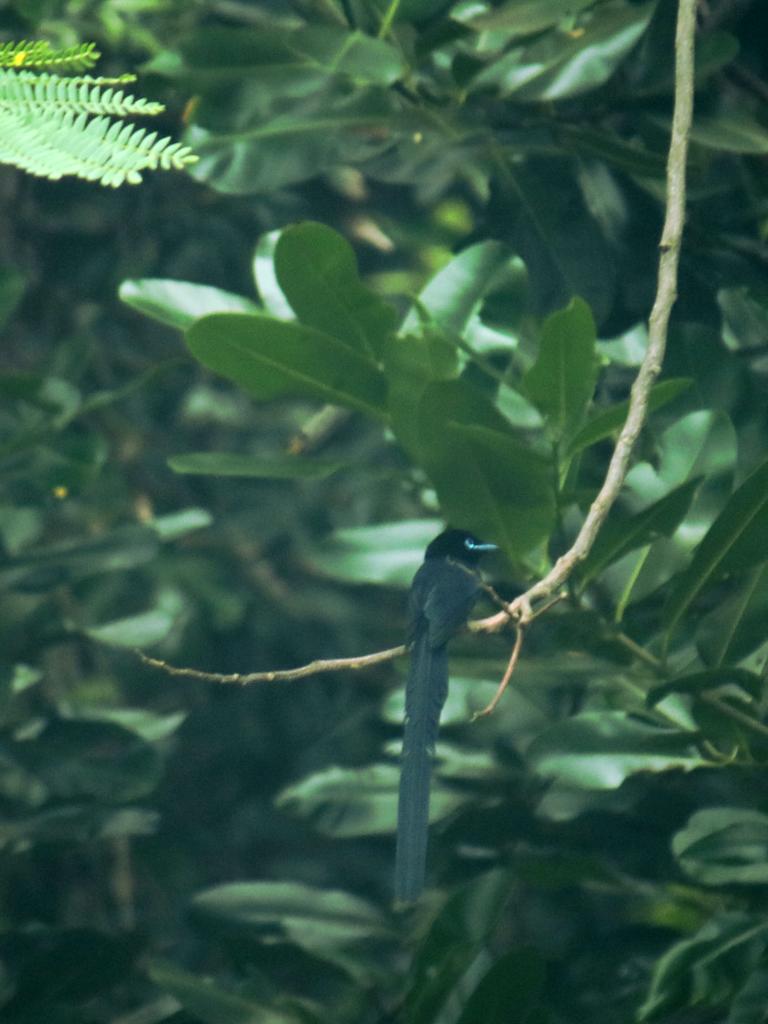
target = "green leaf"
x: 724, y: 846
x: 411, y: 364
x: 526, y: 17
x: 270, y: 292
x: 326, y: 923
x: 327, y: 128
x: 731, y: 132
x: 180, y: 303
x: 701, y: 682
x: 317, y: 272
x: 561, y: 65
x: 607, y: 422
x: 504, y: 490
x: 734, y: 542
x: 174, y: 525
x: 514, y: 981
x: 707, y: 968
x: 211, y: 1003
x: 286, y: 467
x: 455, y: 292
x: 134, y: 631
x: 273, y: 359
x: 346, y: 802
x: 562, y: 380
x: 386, y: 553
x: 622, y: 533
x: 286, y: 62
x: 736, y: 627
x: 600, y: 749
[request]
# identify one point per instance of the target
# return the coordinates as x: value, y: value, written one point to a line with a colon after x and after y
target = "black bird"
x: 440, y: 600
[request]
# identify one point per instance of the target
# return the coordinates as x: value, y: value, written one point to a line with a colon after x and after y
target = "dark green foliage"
x: 407, y: 282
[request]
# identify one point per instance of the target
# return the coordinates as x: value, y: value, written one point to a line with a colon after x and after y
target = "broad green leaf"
x: 285, y: 467
x: 273, y: 359
x: 457, y: 289
x: 211, y: 1003
x: 386, y: 553
x: 711, y: 679
x: 345, y: 802
x: 736, y: 626
x: 503, y: 490
x: 411, y: 364
x: 134, y: 631
x: 514, y: 981
x: 280, y: 63
x: 150, y: 726
x: 562, y: 380
x: 600, y: 749
x: 734, y: 542
x: 180, y: 303
x: 526, y: 17
x: 724, y: 846
x: 707, y: 968
x: 326, y: 923
x: 561, y: 65
x: 607, y: 422
x: 317, y: 272
x: 621, y: 533
x: 329, y: 127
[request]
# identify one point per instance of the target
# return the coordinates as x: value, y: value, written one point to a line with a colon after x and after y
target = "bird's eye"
x: 469, y: 544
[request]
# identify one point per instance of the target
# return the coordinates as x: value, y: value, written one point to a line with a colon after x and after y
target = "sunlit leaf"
x: 723, y: 846
x: 180, y: 303
x: 600, y: 749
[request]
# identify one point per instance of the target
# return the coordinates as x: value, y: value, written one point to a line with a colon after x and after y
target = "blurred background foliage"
x: 176, y: 850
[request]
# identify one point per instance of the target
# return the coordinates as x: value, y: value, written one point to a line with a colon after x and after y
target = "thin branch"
x: 277, y: 675
x: 511, y: 666
x: 666, y: 293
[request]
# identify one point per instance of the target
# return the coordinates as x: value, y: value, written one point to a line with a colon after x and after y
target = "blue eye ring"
x: 475, y: 545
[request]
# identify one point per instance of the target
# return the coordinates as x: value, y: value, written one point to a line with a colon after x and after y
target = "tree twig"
x: 276, y: 675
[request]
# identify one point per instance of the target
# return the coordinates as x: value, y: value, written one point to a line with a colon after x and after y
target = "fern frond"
x: 27, y: 91
x: 52, y: 144
x: 40, y: 54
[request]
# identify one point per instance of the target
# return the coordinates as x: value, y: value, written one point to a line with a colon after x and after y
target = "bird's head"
x: 460, y: 545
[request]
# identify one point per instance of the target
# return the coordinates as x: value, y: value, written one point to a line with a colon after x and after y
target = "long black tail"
x: 425, y: 693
